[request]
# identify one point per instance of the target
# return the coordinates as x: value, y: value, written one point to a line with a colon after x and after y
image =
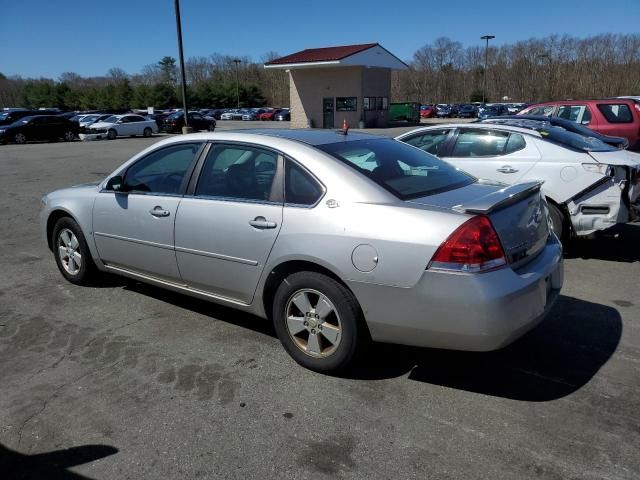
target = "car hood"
x: 618, y: 157
x: 101, y: 125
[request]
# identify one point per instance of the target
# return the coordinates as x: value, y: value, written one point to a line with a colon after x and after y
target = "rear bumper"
x: 475, y: 312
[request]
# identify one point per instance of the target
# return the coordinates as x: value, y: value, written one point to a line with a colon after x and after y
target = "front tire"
x: 318, y: 321
x: 72, y: 253
x: 111, y: 134
x: 212, y: 127
x: 20, y: 138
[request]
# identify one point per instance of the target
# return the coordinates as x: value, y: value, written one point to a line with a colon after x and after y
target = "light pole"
x: 486, y: 64
x: 548, y: 76
x: 186, y: 128
x: 237, y: 61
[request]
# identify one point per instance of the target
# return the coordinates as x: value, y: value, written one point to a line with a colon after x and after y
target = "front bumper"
x: 475, y: 312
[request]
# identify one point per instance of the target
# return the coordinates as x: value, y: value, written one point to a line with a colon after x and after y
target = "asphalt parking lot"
x: 130, y: 381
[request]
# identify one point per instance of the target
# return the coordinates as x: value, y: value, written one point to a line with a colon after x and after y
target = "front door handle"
x: 158, y: 211
x: 261, y: 222
x: 507, y: 169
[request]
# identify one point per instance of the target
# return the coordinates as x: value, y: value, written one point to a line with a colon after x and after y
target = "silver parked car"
x: 337, y: 238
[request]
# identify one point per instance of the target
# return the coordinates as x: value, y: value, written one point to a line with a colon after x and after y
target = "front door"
x: 327, y: 113
x: 134, y: 229
x: 225, y: 231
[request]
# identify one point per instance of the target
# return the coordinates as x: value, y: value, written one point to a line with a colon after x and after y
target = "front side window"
x: 300, y: 188
x: 239, y: 172
x: 616, y: 113
x: 546, y: 111
x: 162, y: 171
x: 431, y: 141
x: 480, y: 143
x: 401, y: 169
x: 575, y: 113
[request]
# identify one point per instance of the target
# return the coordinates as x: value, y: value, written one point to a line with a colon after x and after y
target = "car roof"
x: 491, y: 126
x: 581, y: 102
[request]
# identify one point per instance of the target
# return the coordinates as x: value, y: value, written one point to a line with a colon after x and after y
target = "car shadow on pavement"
x: 554, y: 360
x: 210, y: 309
x: 50, y: 465
x: 618, y: 245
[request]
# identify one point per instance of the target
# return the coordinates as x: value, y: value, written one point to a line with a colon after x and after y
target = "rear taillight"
x: 474, y: 247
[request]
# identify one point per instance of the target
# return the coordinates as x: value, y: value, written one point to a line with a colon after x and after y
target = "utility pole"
x: 186, y: 128
x: 237, y: 61
x: 486, y: 64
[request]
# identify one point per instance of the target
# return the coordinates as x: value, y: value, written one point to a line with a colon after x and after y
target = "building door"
x: 327, y: 113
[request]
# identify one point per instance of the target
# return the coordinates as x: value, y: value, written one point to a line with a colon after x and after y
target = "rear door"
x: 229, y: 221
x: 133, y: 230
x: 492, y: 154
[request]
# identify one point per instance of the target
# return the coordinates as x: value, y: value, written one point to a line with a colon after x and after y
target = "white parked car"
x: 589, y: 185
x: 123, y: 125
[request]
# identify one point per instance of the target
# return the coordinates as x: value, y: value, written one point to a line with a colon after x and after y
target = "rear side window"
x: 399, y: 168
x: 616, y: 113
x: 516, y: 142
x: 300, y: 188
x: 237, y: 171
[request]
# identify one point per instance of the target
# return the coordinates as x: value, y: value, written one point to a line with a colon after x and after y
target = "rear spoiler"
x: 499, y: 199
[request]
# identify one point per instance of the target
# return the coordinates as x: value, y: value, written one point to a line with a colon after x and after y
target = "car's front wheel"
x: 318, y: 321
x: 20, y: 138
x: 72, y: 253
x: 212, y: 127
x: 112, y: 134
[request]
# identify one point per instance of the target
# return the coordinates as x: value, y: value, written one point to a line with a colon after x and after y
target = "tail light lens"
x: 473, y: 247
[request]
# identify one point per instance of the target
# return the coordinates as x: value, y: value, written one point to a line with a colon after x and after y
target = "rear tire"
x: 318, y: 321
x: 147, y: 132
x: 212, y: 127
x: 69, y: 136
x: 72, y: 253
x: 558, y: 222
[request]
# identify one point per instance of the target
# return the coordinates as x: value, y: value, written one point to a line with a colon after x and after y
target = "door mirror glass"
x: 116, y: 184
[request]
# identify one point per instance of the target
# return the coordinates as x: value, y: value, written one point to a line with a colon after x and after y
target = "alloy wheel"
x: 69, y: 251
x: 313, y: 323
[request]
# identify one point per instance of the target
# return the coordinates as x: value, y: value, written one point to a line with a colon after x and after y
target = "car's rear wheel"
x: 147, y: 132
x: 72, y: 253
x: 212, y: 127
x: 69, y: 136
x: 112, y: 134
x: 318, y: 321
x: 558, y: 223
x: 20, y: 138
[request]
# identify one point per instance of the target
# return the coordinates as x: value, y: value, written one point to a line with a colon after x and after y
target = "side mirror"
x: 116, y: 184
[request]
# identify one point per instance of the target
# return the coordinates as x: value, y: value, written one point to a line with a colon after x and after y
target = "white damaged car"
x: 128, y: 125
x: 590, y: 186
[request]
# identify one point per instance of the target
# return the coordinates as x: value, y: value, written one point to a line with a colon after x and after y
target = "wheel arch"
x: 562, y: 207
x: 53, y: 217
x: 286, y: 268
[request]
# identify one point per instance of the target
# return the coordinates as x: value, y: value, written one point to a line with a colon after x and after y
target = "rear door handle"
x: 507, y: 169
x: 158, y: 211
x: 261, y: 222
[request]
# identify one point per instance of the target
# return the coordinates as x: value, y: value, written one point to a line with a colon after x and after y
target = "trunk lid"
x: 618, y: 158
x: 517, y: 212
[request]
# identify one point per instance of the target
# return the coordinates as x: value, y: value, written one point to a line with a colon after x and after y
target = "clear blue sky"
x: 48, y: 37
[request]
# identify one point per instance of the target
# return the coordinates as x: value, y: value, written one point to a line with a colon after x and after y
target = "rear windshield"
x: 405, y: 171
x: 575, y: 141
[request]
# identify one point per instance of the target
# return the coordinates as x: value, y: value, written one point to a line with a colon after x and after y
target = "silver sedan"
x: 338, y: 239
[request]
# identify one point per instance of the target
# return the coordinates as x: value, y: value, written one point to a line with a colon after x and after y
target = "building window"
x: 346, y: 104
x: 385, y: 103
x: 365, y: 103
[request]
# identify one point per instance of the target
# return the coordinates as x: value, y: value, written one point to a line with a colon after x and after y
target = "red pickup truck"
x: 618, y: 117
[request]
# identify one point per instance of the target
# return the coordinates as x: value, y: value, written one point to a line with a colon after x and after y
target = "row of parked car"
x: 469, y: 110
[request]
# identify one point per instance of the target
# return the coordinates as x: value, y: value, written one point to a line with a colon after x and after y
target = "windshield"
x: 111, y: 119
x: 575, y: 141
x: 23, y: 120
x: 405, y: 171
x: 4, y: 116
x: 175, y: 115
